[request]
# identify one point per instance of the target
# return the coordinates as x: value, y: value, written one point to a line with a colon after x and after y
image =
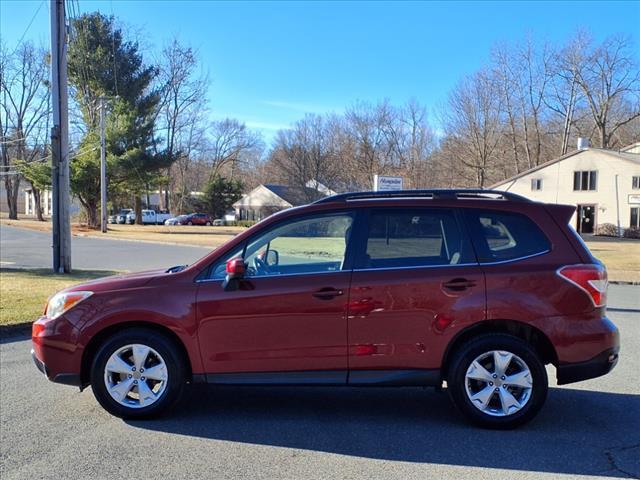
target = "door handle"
x: 327, y: 293
x: 459, y: 284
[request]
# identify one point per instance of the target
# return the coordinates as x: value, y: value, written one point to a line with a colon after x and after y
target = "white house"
x: 604, y: 185
x: 265, y: 200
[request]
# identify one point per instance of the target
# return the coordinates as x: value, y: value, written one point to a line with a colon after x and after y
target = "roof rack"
x: 447, y: 194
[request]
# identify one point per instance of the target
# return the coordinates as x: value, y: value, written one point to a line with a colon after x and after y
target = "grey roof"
x: 295, y: 195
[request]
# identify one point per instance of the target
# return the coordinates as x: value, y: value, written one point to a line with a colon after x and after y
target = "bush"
x: 632, y: 232
x: 607, y: 230
x: 245, y: 223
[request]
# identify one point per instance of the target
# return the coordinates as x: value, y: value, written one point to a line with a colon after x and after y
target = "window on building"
x: 585, y: 180
x: 635, y: 182
x: 635, y: 217
x: 536, y: 184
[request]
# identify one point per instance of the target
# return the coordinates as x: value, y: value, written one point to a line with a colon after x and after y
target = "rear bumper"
x: 599, y: 365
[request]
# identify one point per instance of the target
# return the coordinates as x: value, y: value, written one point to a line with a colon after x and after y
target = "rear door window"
x: 414, y: 238
x: 502, y: 236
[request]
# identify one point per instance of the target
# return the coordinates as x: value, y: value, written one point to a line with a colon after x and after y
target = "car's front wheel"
x: 497, y: 381
x: 137, y: 373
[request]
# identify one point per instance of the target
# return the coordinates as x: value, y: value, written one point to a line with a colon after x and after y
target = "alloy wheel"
x: 136, y: 376
x: 498, y: 383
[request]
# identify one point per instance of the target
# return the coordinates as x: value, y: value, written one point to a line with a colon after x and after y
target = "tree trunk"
x: 138, y: 209
x: 91, y: 210
x: 37, y: 202
x: 92, y: 215
x: 12, y: 186
x: 604, y: 141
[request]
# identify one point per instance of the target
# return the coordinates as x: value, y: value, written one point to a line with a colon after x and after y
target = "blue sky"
x: 270, y: 62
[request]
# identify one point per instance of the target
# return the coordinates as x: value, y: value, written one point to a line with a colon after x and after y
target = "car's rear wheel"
x: 497, y: 381
x: 190, y: 223
x: 137, y: 373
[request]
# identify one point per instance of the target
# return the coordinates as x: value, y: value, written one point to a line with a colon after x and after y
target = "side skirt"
x: 356, y: 378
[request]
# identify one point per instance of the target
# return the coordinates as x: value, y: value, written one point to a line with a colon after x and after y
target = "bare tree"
x: 24, y: 114
x: 308, y: 152
x: 413, y: 142
x: 472, y: 124
x: 182, y: 110
x: 370, y: 148
x: 609, y: 78
x: 227, y: 143
x: 506, y: 83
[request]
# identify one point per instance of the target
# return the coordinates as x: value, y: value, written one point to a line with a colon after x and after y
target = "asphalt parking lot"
x: 589, y: 429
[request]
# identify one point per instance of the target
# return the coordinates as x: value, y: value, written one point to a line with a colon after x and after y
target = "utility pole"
x: 60, y: 141
x: 103, y: 169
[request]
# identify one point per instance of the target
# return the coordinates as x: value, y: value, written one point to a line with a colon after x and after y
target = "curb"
x: 623, y: 282
x: 15, y: 330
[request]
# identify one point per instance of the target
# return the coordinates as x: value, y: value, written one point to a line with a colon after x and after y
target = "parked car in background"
x: 150, y: 217
x: 197, y: 219
x: 121, y: 216
x: 111, y: 219
x: 175, y: 220
x: 218, y: 222
x: 476, y: 288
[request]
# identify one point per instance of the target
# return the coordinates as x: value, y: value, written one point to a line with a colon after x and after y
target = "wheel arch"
x: 101, y: 336
x: 530, y: 334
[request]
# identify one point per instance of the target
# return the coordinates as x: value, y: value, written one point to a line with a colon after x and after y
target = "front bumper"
x: 64, y: 378
x: 55, y: 350
x: 599, y: 365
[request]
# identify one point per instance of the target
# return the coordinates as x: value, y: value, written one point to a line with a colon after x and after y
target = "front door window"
x: 315, y: 244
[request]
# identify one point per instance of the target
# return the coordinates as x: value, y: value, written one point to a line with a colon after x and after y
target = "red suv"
x: 478, y: 289
x: 196, y: 219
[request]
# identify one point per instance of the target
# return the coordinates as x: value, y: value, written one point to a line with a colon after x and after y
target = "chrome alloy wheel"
x: 498, y: 383
x: 136, y: 376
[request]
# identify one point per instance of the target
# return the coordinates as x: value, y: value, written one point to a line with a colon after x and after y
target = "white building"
x: 265, y: 200
x: 604, y: 185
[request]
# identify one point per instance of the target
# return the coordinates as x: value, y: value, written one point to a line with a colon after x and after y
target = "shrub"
x: 632, y: 232
x: 607, y: 230
x: 245, y: 223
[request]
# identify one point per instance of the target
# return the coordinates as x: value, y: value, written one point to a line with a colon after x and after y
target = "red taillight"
x: 591, y: 278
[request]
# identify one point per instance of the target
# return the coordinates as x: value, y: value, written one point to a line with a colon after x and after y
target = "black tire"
x: 457, y: 386
x: 190, y: 223
x: 175, y: 367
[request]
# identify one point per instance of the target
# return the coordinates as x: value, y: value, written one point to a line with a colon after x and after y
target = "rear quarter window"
x: 502, y: 236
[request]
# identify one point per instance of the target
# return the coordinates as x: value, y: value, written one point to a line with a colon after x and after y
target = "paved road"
x: 52, y: 431
x: 20, y: 248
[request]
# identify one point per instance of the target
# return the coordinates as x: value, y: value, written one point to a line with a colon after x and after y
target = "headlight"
x: 61, y: 302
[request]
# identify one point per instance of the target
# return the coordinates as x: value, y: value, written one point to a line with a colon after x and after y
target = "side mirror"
x: 235, y: 272
x: 273, y: 258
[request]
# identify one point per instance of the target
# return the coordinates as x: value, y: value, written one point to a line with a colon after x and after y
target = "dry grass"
x: 23, y: 293
x: 620, y: 255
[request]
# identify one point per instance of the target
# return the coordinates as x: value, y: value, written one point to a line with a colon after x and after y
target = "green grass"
x: 23, y: 293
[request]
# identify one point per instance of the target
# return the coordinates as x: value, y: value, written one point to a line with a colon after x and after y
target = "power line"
x: 28, y: 27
